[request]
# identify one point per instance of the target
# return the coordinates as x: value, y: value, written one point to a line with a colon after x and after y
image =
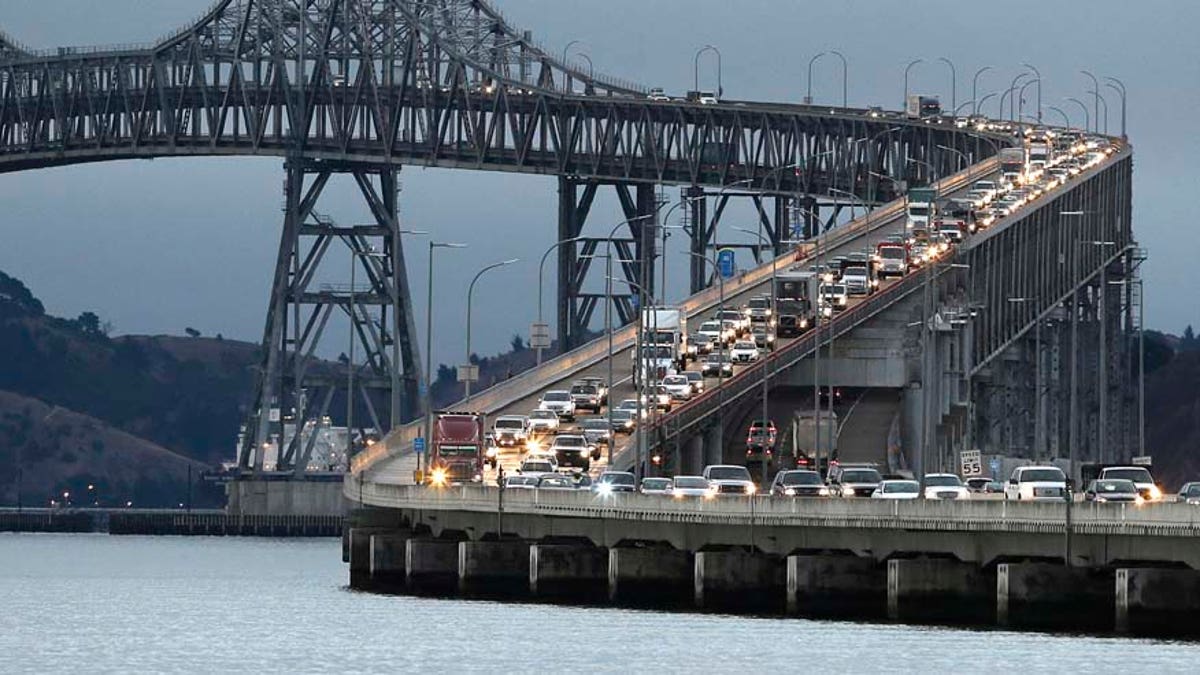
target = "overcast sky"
x: 155, y: 247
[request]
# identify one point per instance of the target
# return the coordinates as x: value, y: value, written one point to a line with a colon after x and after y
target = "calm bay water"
x: 98, y: 603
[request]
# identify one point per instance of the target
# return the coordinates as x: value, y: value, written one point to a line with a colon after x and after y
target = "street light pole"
x: 762, y: 242
x: 808, y: 99
x: 1087, y: 122
x: 953, y: 82
x: 1066, y: 118
x: 1038, y: 74
x: 429, y: 347
x: 696, y: 68
x: 470, y: 296
x: 844, y: 76
x: 906, y: 69
x: 975, y: 87
x: 1119, y: 86
x: 541, y: 275
x: 1011, y: 87
x: 1096, y: 97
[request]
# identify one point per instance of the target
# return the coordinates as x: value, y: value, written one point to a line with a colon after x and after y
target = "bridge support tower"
x: 293, y: 392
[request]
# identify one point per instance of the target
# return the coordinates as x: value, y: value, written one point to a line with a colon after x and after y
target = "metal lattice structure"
x: 365, y: 86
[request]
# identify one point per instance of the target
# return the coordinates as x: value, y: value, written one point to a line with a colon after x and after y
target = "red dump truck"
x: 457, y: 454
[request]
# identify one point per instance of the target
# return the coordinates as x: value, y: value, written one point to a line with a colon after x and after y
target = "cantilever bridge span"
x: 360, y: 88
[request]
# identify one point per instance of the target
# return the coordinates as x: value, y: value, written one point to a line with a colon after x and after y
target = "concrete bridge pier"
x: 649, y: 575
x: 359, y: 546
x: 714, y: 448
x: 692, y: 461
x: 568, y: 570
x: 1048, y: 595
x: 738, y: 579
x: 493, y: 567
x: 431, y: 565
x: 939, y: 590
x: 388, y: 551
x: 836, y: 585
x: 1157, y: 601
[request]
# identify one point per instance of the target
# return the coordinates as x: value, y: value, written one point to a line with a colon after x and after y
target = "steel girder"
x: 378, y: 309
x: 434, y: 83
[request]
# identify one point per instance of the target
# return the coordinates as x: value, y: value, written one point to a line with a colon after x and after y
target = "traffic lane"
x: 622, y: 364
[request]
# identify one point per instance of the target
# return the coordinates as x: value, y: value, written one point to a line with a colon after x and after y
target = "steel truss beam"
x: 293, y: 387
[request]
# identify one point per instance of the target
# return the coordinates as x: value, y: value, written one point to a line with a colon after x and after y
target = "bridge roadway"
x: 1132, y: 568
x: 394, y: 462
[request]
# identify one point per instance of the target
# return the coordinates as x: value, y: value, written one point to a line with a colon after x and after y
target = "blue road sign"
x: 634, y: 300
x: 994, y: 465
x: 726, y: 263
x: 419, y: 445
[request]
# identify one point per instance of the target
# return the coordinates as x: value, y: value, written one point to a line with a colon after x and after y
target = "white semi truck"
x: 664, y: 341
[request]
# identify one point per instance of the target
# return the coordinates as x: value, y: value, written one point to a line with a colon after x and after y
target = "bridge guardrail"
x: 496, y: 397
x: 1160, y: 519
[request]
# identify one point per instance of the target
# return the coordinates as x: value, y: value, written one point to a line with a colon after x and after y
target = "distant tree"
x: 446, y: 373
x: 220, y: 338
x: 191, y: 332
x: 1189, y: 343
x: 343, y: 359
x: 518, y: 344
x: 88, y: 323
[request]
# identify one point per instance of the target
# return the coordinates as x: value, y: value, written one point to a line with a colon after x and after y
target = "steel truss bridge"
x: 357, y: 89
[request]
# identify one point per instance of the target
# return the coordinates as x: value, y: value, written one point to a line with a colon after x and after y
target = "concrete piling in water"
x: 568, y: 570
x: 431, y: 565
x: 836, y: 586
x: 649, y: 575
x: 738, y: 579
x: 940, y: 590
x: 387, y: 554
x: 493, y: 567
x: 1048, y: 595
x: 1157, y: 601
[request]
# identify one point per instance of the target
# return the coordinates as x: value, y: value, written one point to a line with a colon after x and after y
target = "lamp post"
x: 541, y: 274
x: 609, y: 329
x: 975, y: 87
x: 1096, y: 98
x: 1120, y: 87
x: 1011, y: 87
x: 720, y: 341
x: 696, y: 68
x: 906, y: 69
x: 1037, y: 74
x: 953, y: 82
x: 762, y: 242
x: 470, y: 295
x: 1064, y: 115
x: 808, y: 99
x: 980, y: 102
x: 1087, y: 123
x: 1020, y: 100
x: 844, y: 76
x: 640, y: 364
x: 429, y: 346
x: 353, y: 310
x: 966, y: 162
x: 1104, y: 107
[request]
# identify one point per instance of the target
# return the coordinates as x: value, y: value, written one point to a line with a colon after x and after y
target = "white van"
x: 1037, y: 483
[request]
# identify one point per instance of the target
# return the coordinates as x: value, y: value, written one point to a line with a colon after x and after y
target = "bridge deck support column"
x: 360, y: 554
x: 936, y: 589
x: 1047, y: 595
x: 738, y: 578
x: 649, y: 575
x: 1157, y: 601
x: 494, y: 567
x: 431, y: 564
x: 693, y: 455
x: 567, y: 570
x: 836, y: 585
x: 714, y: 452
x: 388, y: 553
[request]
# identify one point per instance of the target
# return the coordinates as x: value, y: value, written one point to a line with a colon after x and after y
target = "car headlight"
x: 824, y: 491
x: 1155, y: 493
x: 751, y: 489
x: 791, y: 492
x: 439, y: 477
x: 604, y: 489
x: 848, y: 491
x: 1100, y: 499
